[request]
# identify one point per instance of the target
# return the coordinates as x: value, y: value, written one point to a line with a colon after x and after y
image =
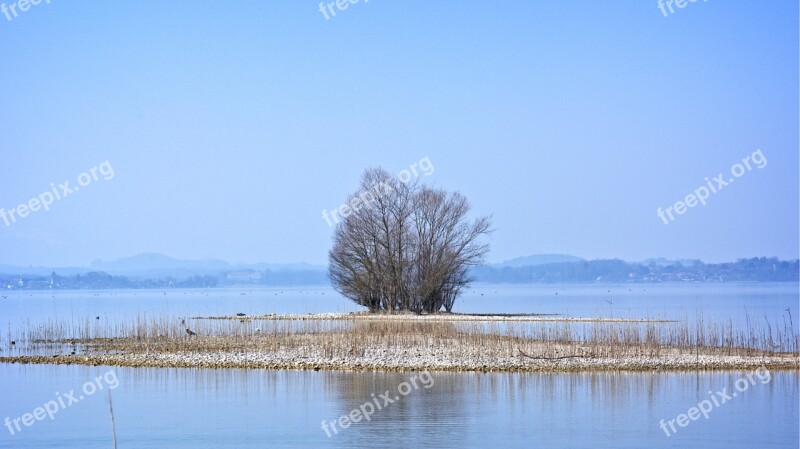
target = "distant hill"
x: 538, y: 259
x: 155, y: 265
x: 754, y: 269
x: 152, y: 263
x: 39, y: 271
x: 156, y: 261
x: 153, y: 270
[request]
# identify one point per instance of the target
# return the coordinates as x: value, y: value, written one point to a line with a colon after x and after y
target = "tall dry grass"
x: 338, y: 338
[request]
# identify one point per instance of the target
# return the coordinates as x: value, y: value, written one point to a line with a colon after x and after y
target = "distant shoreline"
x: 161, y: 272
x: 474, y: 285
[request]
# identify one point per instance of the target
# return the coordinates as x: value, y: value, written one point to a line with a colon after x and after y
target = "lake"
x: 196, y: 408
x: 735, y: 301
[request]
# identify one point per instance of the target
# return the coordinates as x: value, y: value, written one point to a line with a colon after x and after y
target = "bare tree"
x: 405, y: 247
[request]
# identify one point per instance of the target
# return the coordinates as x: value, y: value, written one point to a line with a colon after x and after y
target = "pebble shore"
x: 410, y: 360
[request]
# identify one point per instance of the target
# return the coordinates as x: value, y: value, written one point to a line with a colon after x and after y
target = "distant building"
x: 244, y: 275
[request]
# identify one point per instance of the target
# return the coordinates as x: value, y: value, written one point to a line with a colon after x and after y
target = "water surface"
x: 199, y: 408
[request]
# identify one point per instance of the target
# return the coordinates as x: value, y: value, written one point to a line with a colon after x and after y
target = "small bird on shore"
x: 189, y: 332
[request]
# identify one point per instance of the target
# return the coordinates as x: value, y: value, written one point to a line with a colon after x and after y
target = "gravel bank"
x: 408, y: 360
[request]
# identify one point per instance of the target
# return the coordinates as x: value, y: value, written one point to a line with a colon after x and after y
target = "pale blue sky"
x: 230, y: 126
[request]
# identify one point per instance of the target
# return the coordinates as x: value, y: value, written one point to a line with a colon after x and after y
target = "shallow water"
x: 196, y: 408
x: 720, y: 302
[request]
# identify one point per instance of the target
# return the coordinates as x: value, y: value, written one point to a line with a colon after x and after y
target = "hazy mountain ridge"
x: 160, y: 265
x: 538, y: 259
x: 152, y: 270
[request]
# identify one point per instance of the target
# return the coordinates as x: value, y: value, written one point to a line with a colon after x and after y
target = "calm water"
x: 674, y: 301
x: 183, y: 408
x: 193, y: 408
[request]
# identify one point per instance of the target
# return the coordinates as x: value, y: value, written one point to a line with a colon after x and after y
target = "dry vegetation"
x: 357, y: 337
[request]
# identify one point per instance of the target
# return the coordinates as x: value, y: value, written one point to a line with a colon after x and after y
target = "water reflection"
x: 202, y: 408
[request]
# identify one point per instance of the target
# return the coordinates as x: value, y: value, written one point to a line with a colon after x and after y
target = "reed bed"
x: 356, y: 337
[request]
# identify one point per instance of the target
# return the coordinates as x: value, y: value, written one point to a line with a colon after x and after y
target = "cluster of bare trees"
x: 409, y: 247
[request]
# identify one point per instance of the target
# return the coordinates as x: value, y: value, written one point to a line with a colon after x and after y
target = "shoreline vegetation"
x: 155, y: 271
x: 408, y: 342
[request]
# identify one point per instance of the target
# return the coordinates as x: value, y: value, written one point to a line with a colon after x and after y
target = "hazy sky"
x: 231, y: 126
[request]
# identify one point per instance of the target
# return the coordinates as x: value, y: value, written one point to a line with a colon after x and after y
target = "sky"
x: 223, y: 130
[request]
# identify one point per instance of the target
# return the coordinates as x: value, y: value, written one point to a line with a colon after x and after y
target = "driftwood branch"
x: 550, y: 358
